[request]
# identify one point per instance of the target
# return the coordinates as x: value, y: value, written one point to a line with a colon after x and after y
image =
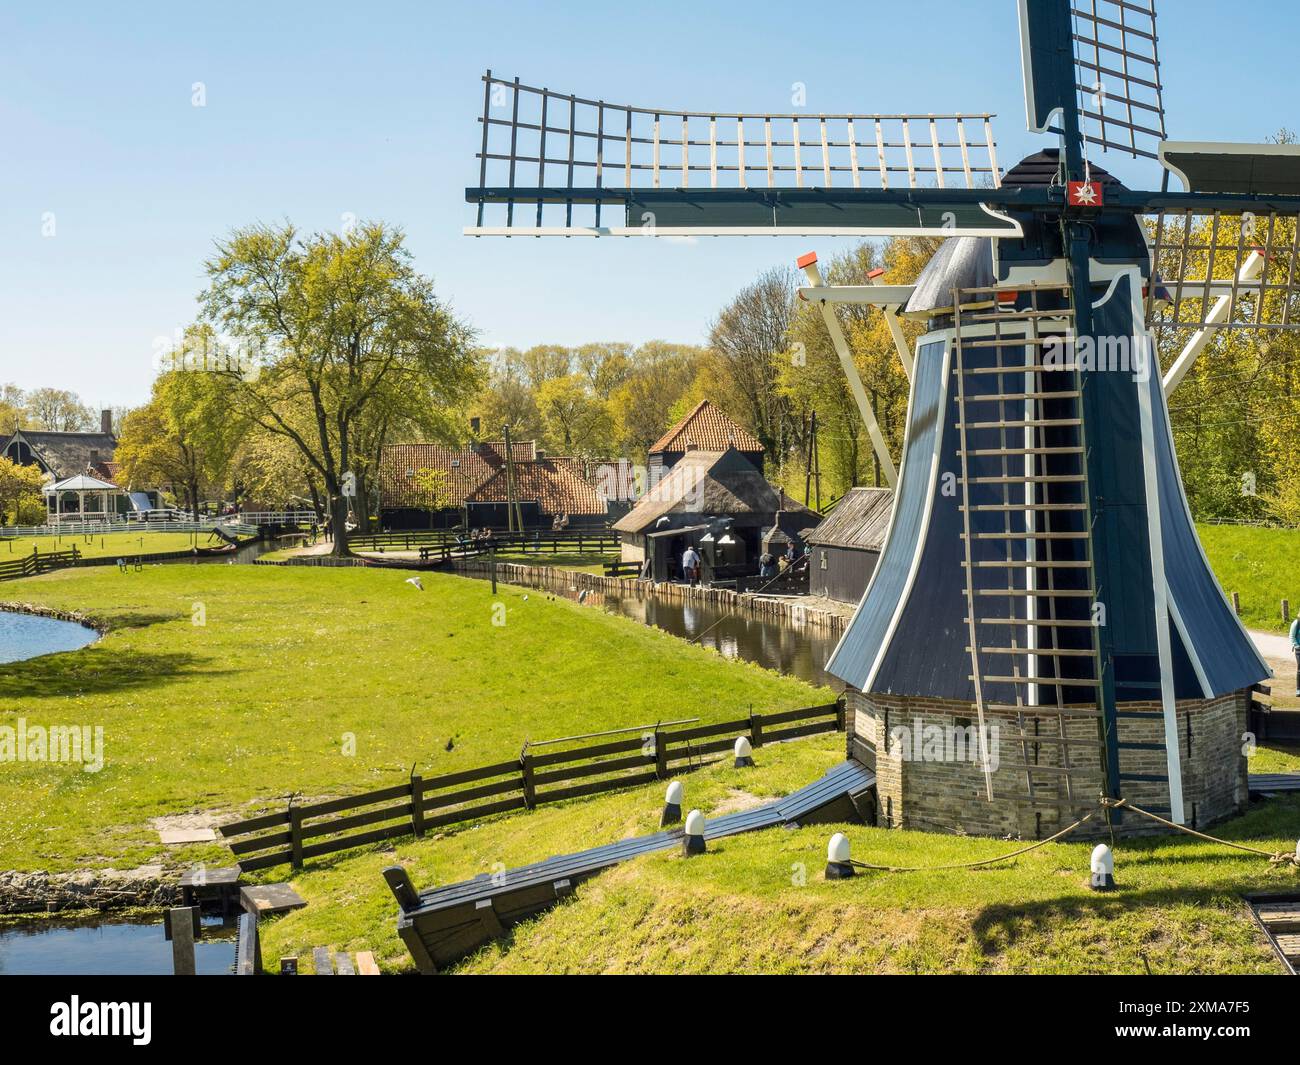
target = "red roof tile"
x: 706, y: 428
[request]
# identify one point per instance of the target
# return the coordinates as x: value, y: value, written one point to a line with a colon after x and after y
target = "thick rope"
x: 972, y: 865
x: 1276, y: 857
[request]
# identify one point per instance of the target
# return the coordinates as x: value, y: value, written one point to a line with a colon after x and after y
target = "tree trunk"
x: 339, y: 526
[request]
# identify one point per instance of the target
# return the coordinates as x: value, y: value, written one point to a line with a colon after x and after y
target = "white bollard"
x: 744, y: 753
x: 693, y: 840
x: 672, y: 804
x: 838, y: 866
x: 1103, y: 868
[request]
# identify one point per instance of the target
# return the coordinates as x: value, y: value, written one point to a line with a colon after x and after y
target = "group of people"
x: 769, y: 566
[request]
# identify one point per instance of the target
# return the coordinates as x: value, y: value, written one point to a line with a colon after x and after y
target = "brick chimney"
x: 106, y: 422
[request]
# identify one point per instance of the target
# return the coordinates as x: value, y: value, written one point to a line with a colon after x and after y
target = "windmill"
x: 1042, y: 586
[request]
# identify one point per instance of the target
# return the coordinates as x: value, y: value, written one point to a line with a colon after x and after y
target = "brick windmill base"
x: 922, y: 786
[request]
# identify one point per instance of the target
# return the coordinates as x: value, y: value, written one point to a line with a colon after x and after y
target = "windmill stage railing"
x: 546, y: 155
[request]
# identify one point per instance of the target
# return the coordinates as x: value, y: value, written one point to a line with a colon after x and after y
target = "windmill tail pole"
x: 808, y: 264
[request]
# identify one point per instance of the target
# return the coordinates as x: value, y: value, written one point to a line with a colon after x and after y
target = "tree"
x: 749, y: 336
x: 57, y: 410
x: 641, y: 407
x: 20, y: 493
x: 576, y: 421
x: 186, y: 435
x: 13, y: 409
x: 338, y: 325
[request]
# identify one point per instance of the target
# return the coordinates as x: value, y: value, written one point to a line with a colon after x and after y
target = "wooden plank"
x: 456, y: 798
x: 369, y: 798
x: 343, y: 964
x: 595, y: 769
x: 370, y: 817
x: 595, y: 787
x: 733, y: 727
x: 254, y: 824
x: 259, y: 843
x: 320, y: 959
x: 801, y: 730
x: 465, y: 776
x: 366, y: 964
x: 472, y: 812
x: 798, y: 715
x: 361, y: 839
x: 581, y: 754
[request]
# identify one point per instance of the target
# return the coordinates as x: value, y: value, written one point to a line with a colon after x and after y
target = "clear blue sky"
x: 316, y: 110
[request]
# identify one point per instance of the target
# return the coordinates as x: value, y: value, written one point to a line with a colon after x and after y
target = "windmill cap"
x: 805, y: 261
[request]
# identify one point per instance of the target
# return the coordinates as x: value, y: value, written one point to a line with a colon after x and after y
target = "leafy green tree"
x: 21, y: 502
x: 334, y: 326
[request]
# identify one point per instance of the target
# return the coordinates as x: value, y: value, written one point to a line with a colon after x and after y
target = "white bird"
x: 415, y: 582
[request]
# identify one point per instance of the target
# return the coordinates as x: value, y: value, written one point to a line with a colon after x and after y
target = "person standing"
x: 1295, y: 649
x: 691, y: 565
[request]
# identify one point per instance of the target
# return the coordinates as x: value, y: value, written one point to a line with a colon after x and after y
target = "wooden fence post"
x: 661, y: 755
x: 840, y: 716
x: 295, y: 835
x: 1286, y: 609
x: 417, y: 803
x: 526, y: 768
x: 1236, y: 604
x: 755, y: 728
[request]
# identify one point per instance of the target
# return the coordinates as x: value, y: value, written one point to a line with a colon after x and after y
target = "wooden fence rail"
x: 38, y: 562
x: 449, y: 542
x: 299, y: 832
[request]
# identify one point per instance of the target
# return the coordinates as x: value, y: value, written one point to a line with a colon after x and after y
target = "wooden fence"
x: 38, y: 562
x: 538, y: 776
x: 449, y: 543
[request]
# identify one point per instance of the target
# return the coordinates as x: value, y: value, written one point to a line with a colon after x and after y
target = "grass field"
x: 1261, y: 565
x: 116, y: 544
x: 289, y: 665
x: 759, y: 903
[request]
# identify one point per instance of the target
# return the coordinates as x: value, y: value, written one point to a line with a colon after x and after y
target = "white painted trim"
x: 870, y: 295
x: 1219, y: 148
x: 1110, y: 291
x: 1164, y: 650
x: 1205, y: 560
x: 946, y: 338
x: 1011, y: 229
x: 813, y: 273
x: 1026, y: 66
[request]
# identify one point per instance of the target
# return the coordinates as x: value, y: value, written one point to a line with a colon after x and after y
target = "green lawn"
x: 261, y: 700
x: 1261, y: 565
x: 123, y: 544
x: 743, y: 908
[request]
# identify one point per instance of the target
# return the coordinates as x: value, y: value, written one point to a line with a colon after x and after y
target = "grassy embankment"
x: 759, y: 903
x: 124, y: 544
x: 260, y: 700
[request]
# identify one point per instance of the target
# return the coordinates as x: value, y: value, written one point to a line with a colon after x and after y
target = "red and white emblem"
x: 1084, y: 193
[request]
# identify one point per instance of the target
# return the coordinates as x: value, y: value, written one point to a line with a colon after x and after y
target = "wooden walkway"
x: 1269, y: 783
x: 1279, y: 917
x: 444, y: 924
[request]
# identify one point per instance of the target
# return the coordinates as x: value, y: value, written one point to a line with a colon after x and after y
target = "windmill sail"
x: 1113, y: 69
x: 557, y: 164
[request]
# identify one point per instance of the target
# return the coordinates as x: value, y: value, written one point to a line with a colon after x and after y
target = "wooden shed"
x: 846, y: 546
